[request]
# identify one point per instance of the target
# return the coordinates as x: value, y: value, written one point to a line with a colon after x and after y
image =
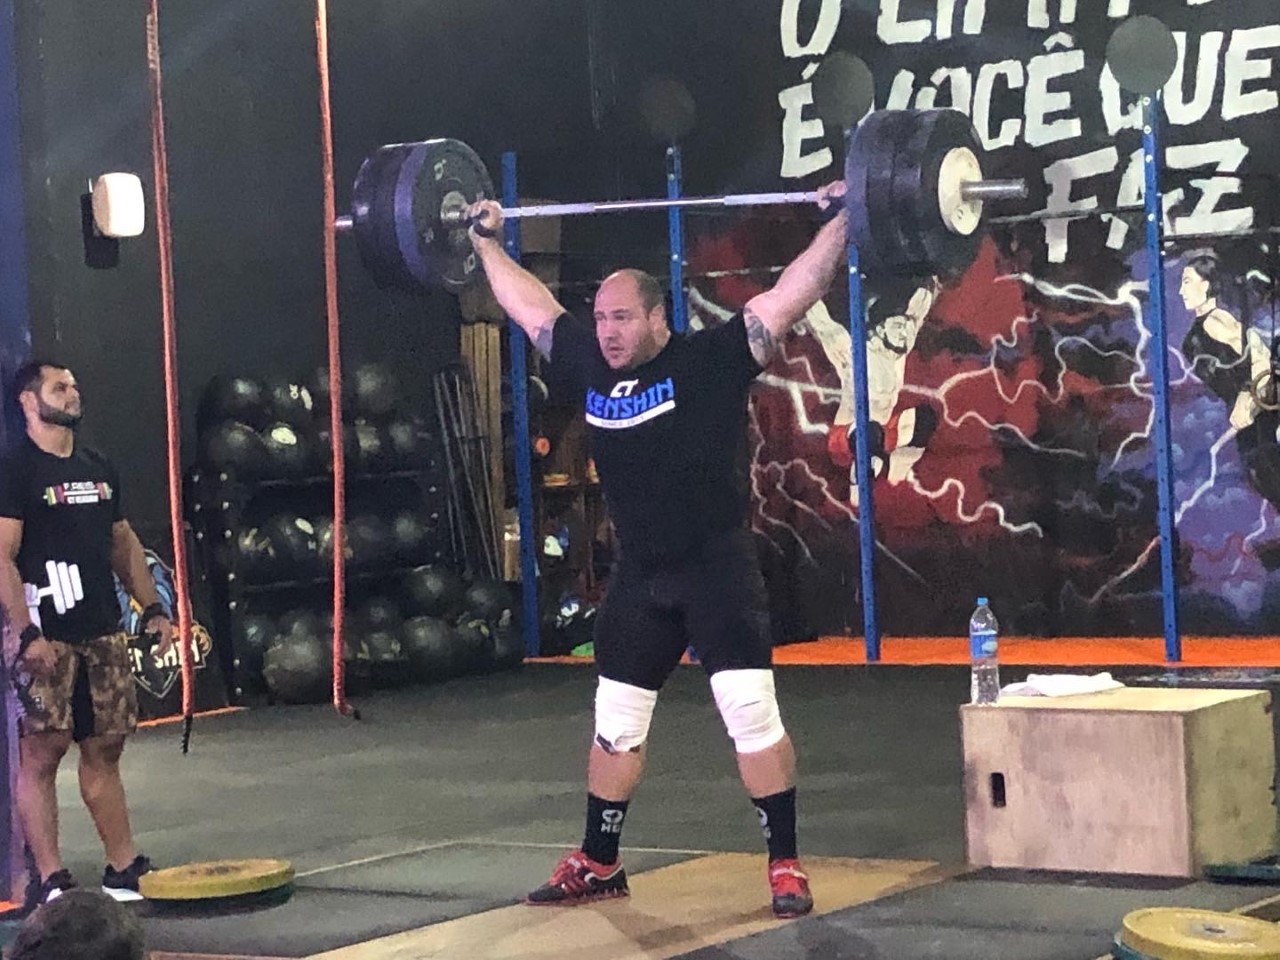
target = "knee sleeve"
x: 623, y: 714
x: 748, y: 705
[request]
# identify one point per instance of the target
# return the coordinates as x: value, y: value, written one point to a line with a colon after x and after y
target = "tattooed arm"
x: 805, y: 281
x: 523, y: 297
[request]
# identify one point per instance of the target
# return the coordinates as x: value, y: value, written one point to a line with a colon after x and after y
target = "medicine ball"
x: 323, y: 527
x: 302, y: 621
x: 288, y: 451
x: 370, y: 539
x: 383, y: 644
x: 317, y: 384
x: 236, y: 447
x: 350, y: 448
x: 411, y: 443
x: 289, y: 402
x: 294, y: 542
x: 410, y: 536
x: 373, y: 450
x: 428, y: 643
x: 299, y: 668
x: 474, y: 646
x: 233, y: 398
x: 255, y: 557
x: 434, y: 590
x: 488, y: 600
x: 353, y: 646
x: 379, y: 613
x: 376, y: 391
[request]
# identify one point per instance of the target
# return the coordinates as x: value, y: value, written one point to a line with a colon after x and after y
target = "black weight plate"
x: 869, y: 164
x: 436, y: 254
x: 937, y: 249
x: 908, y: 184
x: 373, y: 216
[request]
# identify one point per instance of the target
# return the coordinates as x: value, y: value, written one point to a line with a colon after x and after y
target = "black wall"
x: 243, y: 132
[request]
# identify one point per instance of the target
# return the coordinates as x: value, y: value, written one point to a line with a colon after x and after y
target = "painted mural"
x: 1011, y: 406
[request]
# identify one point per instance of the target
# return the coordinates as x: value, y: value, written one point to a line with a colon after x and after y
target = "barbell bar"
x: 984, y: 190
x: 915, y: 189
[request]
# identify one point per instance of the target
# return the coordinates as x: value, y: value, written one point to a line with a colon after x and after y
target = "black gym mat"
x: 471, y: 765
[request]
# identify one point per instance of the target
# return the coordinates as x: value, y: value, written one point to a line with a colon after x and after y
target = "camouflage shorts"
x: 90, y: 692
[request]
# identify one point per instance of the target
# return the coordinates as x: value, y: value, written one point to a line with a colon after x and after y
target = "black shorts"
x: 714, y: 602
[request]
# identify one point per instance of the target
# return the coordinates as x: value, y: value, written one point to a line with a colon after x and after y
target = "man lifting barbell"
x: 61, y: 521
x: 667, y: 418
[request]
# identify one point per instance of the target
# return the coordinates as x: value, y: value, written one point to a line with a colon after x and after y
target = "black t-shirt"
x: 67, y: 506
x: 667, y: 435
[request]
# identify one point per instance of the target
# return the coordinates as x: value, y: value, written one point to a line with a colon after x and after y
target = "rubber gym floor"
x: 416, y: 830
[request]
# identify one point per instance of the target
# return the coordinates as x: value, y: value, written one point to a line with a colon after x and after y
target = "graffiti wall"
x: 1012, y: 405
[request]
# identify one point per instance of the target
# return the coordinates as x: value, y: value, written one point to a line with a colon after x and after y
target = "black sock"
x: 778, y: 820
x: 604, y: 828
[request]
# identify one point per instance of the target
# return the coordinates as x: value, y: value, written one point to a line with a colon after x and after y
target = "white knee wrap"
x: 623, y: 714
x: 748, y: 705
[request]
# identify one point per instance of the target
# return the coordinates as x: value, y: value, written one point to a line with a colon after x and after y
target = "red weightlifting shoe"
x: 790, y: 887
x: 579, y: 879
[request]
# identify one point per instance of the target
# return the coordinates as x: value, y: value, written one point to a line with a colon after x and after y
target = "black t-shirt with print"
x: 67, y: 506
x: 667, y: 436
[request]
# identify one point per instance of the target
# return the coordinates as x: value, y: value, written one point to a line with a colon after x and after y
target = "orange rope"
x: 335, y: 364
x: 164, y: 238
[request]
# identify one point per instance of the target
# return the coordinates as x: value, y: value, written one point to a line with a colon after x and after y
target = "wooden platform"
x: 671, y: 911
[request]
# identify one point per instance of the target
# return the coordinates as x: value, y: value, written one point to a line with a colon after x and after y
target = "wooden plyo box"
x: 1160, y: 782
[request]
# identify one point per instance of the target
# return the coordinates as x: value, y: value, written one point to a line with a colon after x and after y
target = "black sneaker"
x: 123, y: 884
x: 54, y: 886
x: 579, y: 879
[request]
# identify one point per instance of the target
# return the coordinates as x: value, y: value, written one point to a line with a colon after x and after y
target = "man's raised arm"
x: 523, y: 297
x: 803, y: 283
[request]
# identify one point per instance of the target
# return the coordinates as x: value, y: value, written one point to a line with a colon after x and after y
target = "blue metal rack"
x: 1160, y: 374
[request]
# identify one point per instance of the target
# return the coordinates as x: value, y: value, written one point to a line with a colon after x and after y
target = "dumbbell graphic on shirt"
x: 64, y: 588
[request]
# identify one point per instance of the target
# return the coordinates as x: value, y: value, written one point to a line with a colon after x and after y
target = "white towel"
x: 1060, y: 685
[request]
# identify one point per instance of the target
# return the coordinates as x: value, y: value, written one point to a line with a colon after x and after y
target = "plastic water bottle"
x: 984, y: 670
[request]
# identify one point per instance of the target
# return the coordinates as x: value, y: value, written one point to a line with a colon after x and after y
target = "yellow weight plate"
x: 217, y: 878
x: 1169, y: 933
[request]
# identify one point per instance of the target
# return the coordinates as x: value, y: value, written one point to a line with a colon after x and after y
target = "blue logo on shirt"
x: 624, y: 407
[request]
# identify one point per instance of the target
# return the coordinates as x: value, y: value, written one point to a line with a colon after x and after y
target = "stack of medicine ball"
x: 432, y: 626
x: 292, y: 545
x: 278, y: 428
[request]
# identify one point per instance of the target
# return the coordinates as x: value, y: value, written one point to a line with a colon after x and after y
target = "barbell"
x: 915, y: 189
x: 915, y: 196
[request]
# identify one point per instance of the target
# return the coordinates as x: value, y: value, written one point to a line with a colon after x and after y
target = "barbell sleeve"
x: 995, y: 190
